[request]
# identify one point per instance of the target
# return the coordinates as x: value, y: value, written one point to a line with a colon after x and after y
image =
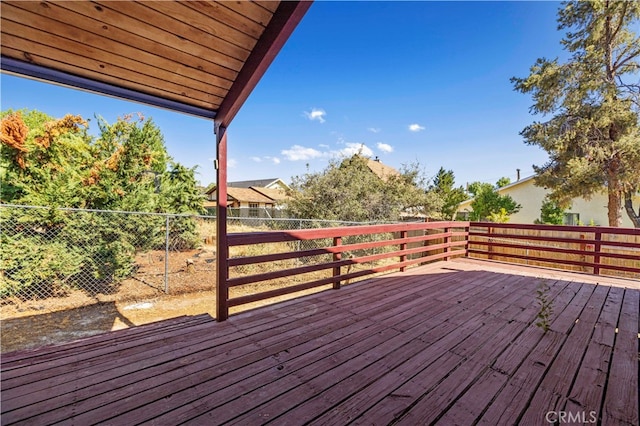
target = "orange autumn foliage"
x: 13, y: 133
x: 56, y: 128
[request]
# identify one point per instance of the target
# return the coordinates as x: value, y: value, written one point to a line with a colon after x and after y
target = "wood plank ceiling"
x: 197, y: 57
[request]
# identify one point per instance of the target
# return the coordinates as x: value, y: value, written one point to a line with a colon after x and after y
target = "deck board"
x: 447, y: 343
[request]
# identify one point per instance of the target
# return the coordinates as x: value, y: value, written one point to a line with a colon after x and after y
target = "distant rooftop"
x: 383, y: 171
x: 264, y: 183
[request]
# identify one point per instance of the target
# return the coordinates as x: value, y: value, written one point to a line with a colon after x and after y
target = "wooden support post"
x: 222, y: 245
x: 403, y: 247
x: 337, y: 241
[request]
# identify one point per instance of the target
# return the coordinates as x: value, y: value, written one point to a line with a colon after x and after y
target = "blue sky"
x: 424, y: 82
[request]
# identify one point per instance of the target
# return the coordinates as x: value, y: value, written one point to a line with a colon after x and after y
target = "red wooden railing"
x: 402, y: 245
x: 582, y: 248
x: 592, y: 249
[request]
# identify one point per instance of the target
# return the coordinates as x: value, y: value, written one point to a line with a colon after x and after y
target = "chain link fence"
x: 58, y: 253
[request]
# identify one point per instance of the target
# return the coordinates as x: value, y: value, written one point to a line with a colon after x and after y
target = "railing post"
x: 467, y: 231
x: 166, y: 256
x: 447, y: 240
x: 596, y: 249
x: 489, y: 241
x: 403, y: 247
x: 222, y: 244
x: 583, y: 256
x: 337, y: 241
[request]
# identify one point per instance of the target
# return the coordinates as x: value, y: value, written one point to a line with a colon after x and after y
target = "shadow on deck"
x: 451, y: 343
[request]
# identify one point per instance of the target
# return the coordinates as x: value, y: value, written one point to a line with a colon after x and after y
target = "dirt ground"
x: 138, y: 300
x: 26, y: 324
x: 55, y: 327
x: 34, y: 330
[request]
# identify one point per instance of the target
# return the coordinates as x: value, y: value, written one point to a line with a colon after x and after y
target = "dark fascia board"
x: 284, y: 21
x: 38, y: 72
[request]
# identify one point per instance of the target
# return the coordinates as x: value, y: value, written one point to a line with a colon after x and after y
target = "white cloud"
x: 384, y: 147
x: 231, y: 163
x: 316, y: 114
x: 374, y: 129
x: 323, y: 145
x: 274, y: 160
x: 352, y: 148
x: 416, y: 127
x: 297, y: 153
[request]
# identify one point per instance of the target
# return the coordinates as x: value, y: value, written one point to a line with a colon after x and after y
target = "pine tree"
x: 444, y: 187
x: 593, y: 137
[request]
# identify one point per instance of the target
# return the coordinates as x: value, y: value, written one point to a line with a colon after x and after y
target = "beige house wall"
x: 530, y: 197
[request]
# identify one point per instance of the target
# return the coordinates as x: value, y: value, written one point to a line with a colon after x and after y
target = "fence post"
x: 447, y: 240
x: 298, y: 242
x: 583, y: 256
x: 596, y: 256
x: 403, y: 247
x: 467, y: 231
x: 166, y: 256
x: 337, y: 241
x: 489, y: 241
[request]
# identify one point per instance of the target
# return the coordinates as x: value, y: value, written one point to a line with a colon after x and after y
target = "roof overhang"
x: 201, y: 58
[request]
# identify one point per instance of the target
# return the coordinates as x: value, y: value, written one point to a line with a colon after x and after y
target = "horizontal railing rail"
x: 588, y: 248
x: 278, y: 263
x: 378, y: 248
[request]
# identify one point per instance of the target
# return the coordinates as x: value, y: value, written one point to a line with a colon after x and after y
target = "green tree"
x: 129, y: 158
x: 43, y: 160
x: 593, y: 138
x: 500, y: 216
x: 551, y: 212
x: 502, y: 182
x: 489, y: 205
x: 444, y: 187
x: 348, y: 190
x: 180, y: 194
x: 54, y: 162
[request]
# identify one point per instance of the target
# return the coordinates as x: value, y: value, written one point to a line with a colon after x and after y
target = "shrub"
x: 30, y: 266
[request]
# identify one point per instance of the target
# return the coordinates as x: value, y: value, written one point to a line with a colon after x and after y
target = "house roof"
x: 274, y: 194
x: 517, y: 183
x: 468, y: 202
x: 202, y: 58
x: 253, y: 194
x: 246, y: 195
x: 383, y: 171
x: 258, y: 183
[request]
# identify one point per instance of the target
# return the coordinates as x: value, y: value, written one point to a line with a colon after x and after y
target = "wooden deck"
x: 449, y: 343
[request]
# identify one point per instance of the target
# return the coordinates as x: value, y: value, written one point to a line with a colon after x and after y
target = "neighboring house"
x: 531, y: 197
x: 246, y: 199
x: 383, y: 171
x: 272, y: 183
